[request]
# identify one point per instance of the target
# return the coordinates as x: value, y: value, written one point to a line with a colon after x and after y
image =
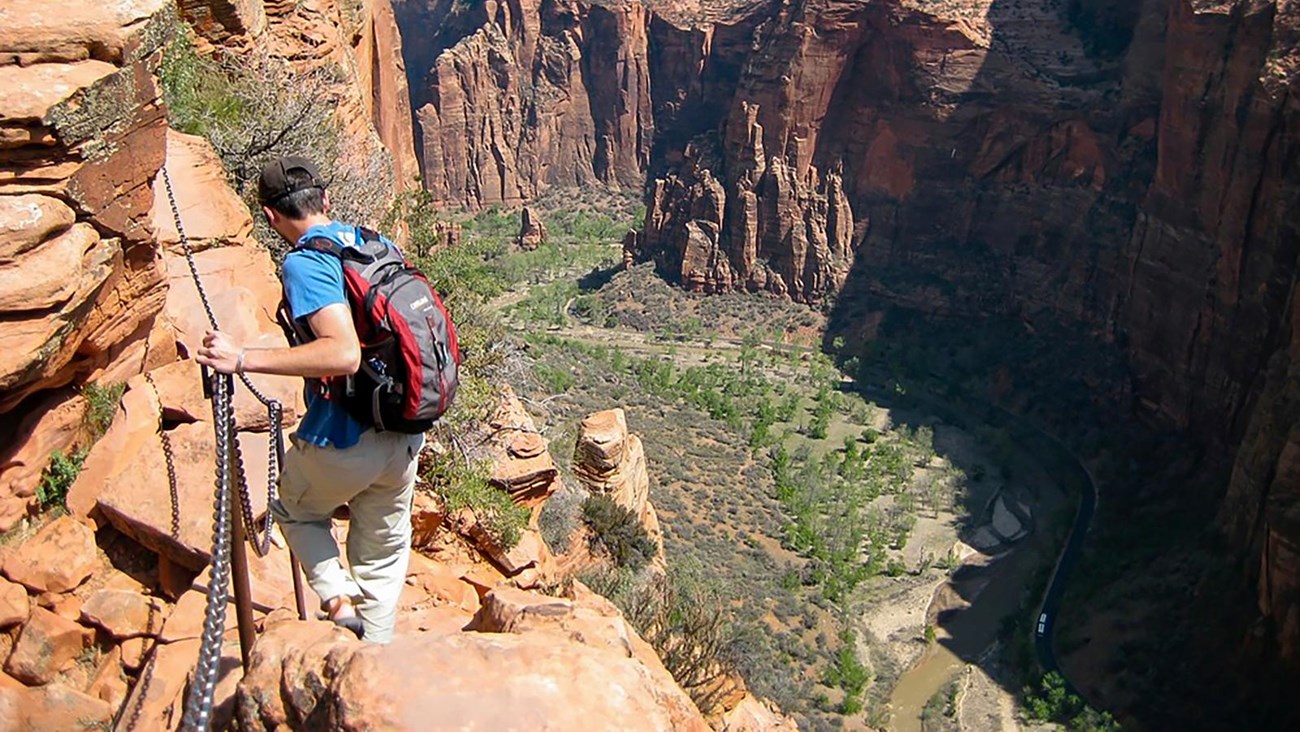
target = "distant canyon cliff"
x: 1124, y: 166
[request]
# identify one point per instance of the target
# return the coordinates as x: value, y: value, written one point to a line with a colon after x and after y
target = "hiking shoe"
x: 353, y: 624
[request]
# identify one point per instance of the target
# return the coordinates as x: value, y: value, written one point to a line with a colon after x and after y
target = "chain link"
x: 170, y: 458
x: 230, y: 466
x: 198, y: 705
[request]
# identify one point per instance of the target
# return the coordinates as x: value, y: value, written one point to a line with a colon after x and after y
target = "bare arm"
x: 335, y: 352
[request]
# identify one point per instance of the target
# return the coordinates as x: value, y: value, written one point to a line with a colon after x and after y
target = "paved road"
x: 1045, y: 624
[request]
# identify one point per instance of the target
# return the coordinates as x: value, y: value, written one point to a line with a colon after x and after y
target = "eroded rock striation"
x: 609, y: 460
x: 80, y: 280
x: 513, y: 97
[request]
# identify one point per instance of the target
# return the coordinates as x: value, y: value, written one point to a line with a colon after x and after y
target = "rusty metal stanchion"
x: 299, y: 594
x: 243, y: 593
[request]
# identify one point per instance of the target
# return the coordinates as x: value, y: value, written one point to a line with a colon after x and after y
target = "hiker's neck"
x: 295, y: 228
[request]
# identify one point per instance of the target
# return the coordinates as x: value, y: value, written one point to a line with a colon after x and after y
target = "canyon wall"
x: 513, y: 97
x: 1123, y: 169
x: 357, y: 40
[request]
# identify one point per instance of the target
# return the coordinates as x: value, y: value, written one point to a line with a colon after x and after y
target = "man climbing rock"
x: 335, y: 459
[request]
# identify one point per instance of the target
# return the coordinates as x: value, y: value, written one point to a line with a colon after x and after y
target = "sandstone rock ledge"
x: 577, y: 667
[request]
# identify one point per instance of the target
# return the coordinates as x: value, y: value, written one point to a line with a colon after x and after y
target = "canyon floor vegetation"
x: 825, y: 513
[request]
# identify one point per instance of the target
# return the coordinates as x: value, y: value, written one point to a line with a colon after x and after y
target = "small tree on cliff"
x: 257, y: 107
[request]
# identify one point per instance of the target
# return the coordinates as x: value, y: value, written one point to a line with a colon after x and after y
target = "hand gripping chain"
x: 274, y: 410
x: 230, y: 464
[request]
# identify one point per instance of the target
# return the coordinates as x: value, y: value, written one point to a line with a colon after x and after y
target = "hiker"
x: 335, y: 459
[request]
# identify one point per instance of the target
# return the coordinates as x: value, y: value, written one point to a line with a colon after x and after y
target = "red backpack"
x: 409, y: 354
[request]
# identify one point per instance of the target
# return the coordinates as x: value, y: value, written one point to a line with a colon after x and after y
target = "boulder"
x: 36, y: 346
x: 104, y: 31
x: 444, y: 582
x: 58, y: 558
x: 46, y: 645
x: 29, y: 219
x: 135, y: 652
x: 14, y: 605
x: 755, y: 715
x: 548, y: 675
x: 521, y: 463
x: 66, y: 606
x: 510, y: 610
x: 125, y: 479
x: 54, y: 270
x: 211, y: 213
x: 530, y: 552
x: 159, y: 704
x: 52, y: 424
x: 124, y: 614
x: 427, y: 514
x: 52, y: 707
x: 30, y: 91
x: 109, y: 683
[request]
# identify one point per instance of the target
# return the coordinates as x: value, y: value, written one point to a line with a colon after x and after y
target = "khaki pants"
x: 376, y: 479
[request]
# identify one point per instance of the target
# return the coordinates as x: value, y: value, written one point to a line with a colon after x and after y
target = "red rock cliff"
x: 513, y: 97
x: 358, y: 39
x: 81, y: 281
x: 1123, y: 168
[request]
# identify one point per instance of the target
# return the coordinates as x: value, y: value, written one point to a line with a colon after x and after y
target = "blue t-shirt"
x: 313, y: 280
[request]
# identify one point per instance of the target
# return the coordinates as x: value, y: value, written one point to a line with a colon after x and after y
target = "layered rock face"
x: 609, y: 460
x: 80, y: 278
x: 513, y: 97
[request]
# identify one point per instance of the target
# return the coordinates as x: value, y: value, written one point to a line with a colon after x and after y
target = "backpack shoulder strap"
x: 321, y: 244
x: 334, y: 249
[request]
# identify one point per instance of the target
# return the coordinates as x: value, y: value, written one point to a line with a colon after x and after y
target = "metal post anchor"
x: 243, y: 594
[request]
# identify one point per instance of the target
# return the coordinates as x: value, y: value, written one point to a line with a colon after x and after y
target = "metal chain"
x: 198, y: 706
x: 259, y: 537
x: 170, y: 458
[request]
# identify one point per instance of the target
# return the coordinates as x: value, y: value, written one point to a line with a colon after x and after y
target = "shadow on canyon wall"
x: 1002, y: 247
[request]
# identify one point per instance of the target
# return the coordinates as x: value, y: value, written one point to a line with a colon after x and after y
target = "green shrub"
x: 462, y: 486
x: 101, y: 407
x: 58, y: 478
x: 849, y: 673
x: 194, y: 88
x: 1052, y: 701
x: 554, y: 380
x: 618, y: 531
x: 559, y: 517
x: 678, y: 615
